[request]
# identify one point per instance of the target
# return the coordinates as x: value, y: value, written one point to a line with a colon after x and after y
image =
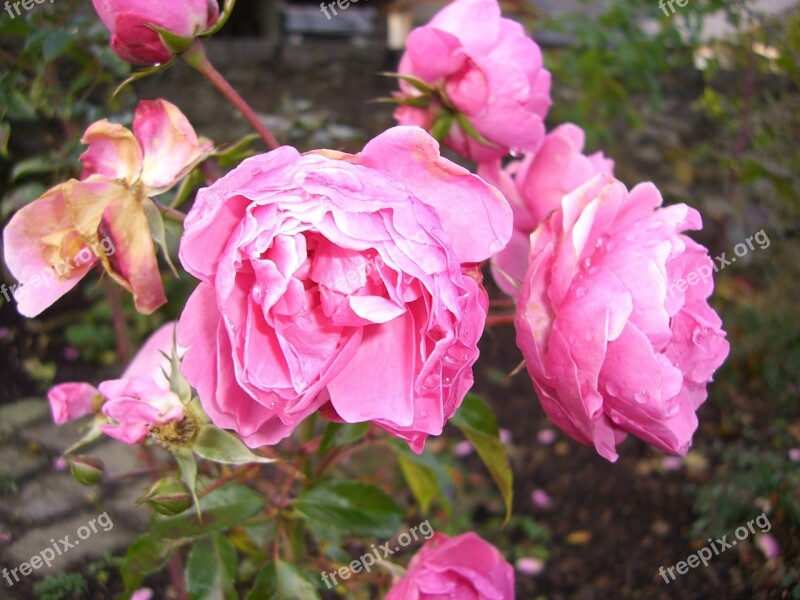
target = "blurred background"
x: 703, y: 100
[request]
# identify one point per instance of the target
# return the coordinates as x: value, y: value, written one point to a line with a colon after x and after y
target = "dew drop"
x: 600, y: 241
x: 431, y: 381
x: 594, y: 270
x: 516, y: 152
x: 640, y: 396
x: 580, y: 292
x: 612, y: 388
x: 587, y: 263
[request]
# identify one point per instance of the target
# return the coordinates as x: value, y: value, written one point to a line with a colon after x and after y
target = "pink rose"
x: 141, y: 399
x: 130, y: 21
x: 70, y: 401
x: 330, y: 277
x: 534, y: 186
x: 464, y: 567
x: 484, y: 67
x: 613, y: 318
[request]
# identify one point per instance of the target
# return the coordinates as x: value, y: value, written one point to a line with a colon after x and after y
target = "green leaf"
x: 238, y: 151
x: 476, y: 421
x: 141, y: 75
x: 281, y: 580
x: 357, y: 508
x: 32, y: 166
x: 221, y: 509
x: 146, y: 556
x: 470, y: 130
x: 224, y: 447
x: 188, y: 466
x: 56, y: 44
x: 442, y: 126
x: 227, y: 9
x: 342, y: 434
x: 211, y: 569
x: 155, y: 223
x: 422, y: 480
x: 414, y: 81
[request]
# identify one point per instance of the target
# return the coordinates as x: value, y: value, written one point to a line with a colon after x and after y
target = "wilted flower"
x: 52, y: 243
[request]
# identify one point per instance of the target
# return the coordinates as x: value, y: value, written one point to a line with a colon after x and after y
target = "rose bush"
x: 336, y: 279
x: 464, y: 566
x: 612, y: 344
x: 483, y: 67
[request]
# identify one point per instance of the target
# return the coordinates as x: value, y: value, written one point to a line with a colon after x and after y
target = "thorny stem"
x: 196, y: 57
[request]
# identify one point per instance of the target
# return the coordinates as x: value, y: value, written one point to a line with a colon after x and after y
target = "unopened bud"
x: 85, y: 469
x: 168, y: 496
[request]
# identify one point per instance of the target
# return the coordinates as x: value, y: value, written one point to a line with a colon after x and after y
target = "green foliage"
x: 280, y: 580
x: 211, y: 569
x: 357, y: 508
x: 63, y: 586
x: 476, y: 421
x: 750, y: 479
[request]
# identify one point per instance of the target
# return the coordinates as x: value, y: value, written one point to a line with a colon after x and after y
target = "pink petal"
x: 47, y: 217
x: 170, y: 146
x: 476, y: 217
x: 112, y: 152
x: 150, y: 360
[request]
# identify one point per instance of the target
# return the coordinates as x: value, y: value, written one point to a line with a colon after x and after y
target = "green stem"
x: 169, y: 212
x: 196, y: 57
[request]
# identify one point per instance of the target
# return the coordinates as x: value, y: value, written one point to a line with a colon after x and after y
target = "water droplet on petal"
x: 594, y: 271
x: 612, y: 388
x: 516, y: 152
x: 580, y: 292
x: 600, y: 241
x: 431, y: 381
x: 640, y: 396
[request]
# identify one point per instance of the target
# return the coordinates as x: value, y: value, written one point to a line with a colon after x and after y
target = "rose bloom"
x: 129, y: 21
x: 485, y: 67
x: 613, y: 318
x: 336, y: 279
x: 464, y: 567
x: 534, y: 186
x: 141, y: 399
